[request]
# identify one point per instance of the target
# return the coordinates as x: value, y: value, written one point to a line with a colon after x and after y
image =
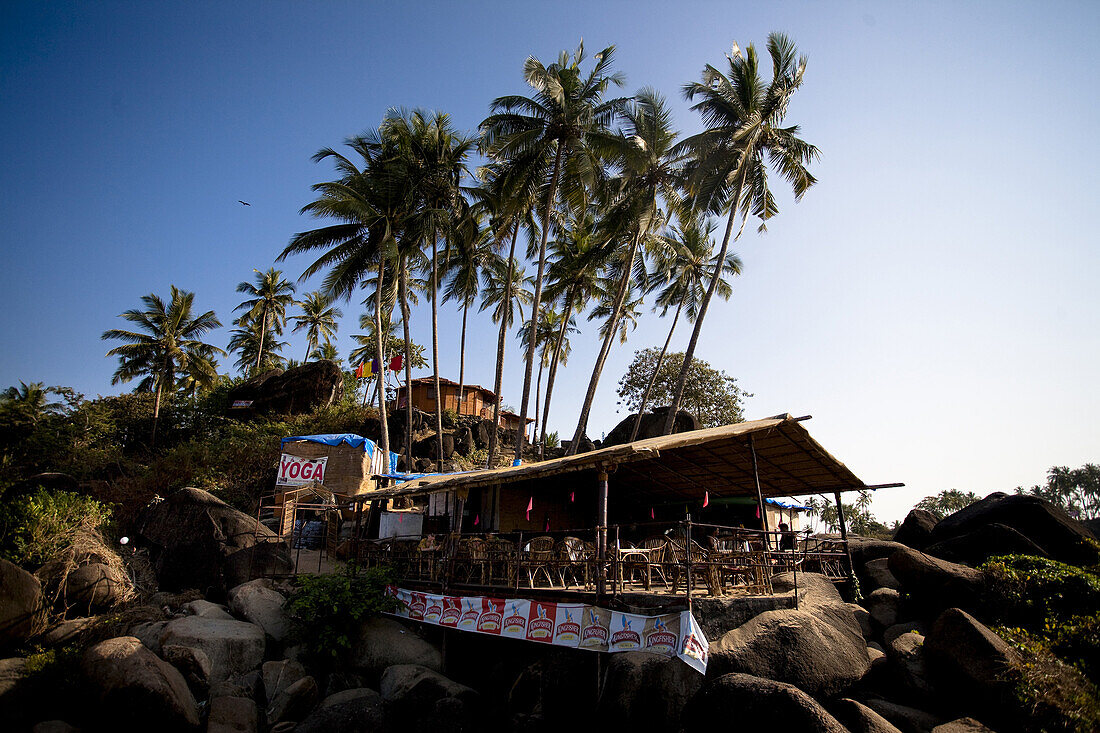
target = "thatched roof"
x: 681, y: 466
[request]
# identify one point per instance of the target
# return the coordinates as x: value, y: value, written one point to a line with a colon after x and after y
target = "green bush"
x: 327, y: 610
x: 37, y: 527
x: 1052, y: 601
x: 449, y: 419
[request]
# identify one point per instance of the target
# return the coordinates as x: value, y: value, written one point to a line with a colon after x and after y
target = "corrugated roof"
x: 682, y: 465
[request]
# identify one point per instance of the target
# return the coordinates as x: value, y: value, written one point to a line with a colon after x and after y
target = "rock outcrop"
x: 653, y: 423
x: 134, y: 688
x: 916, y: 529
x: 296, y: 391
x: 383, y: 643
x: 22, y: 607
x: 192, y: 535
x: 755, y: 704
x: 645, y: 692
x: 233, y: 647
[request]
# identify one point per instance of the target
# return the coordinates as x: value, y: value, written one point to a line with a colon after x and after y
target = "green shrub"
x: 327, y: 610
x: 1054, y: 695
x: 1053, y: 601
x: 449, y: 419
x: 37, y: 527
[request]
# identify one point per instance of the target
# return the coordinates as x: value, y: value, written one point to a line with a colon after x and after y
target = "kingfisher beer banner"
x: 562, y: 624
x: 296, y: 471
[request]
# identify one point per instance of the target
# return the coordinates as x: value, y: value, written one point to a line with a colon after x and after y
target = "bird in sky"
x: 243, y: 202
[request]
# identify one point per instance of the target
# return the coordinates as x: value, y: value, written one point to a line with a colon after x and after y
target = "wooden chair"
x: 502, y: 561
x: 574, y: 561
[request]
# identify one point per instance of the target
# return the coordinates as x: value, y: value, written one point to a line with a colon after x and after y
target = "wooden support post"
x: 601, y: 535
x: 763, y: 509
x: 358, y: 529
x: 856, y: 595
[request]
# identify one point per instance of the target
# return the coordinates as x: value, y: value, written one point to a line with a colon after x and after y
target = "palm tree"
x: 33, y: 398
x: 552, y: 342
x: 575, y: 279
x: 258, y: 348
x: 435, y: 156
x: 326, y: 350
x: 464, y: 270
x: 681, y: 271
x: 166, y: 342
x: 743, y: 136
x: 373, y: 203
x: 267, y: 304
x: 565, y: 119
x: 318, y: 318
x: 651, y: 173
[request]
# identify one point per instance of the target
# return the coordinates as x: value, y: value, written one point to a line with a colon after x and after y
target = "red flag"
x: 477, y: 519
x: 572, y: 495
x: 547, y: 525
x: 530, y: 506
x: 651, y: 514
x: 706, y: 498
x: 396, y: 363
x: 758, y: 511
x: 359, y: 370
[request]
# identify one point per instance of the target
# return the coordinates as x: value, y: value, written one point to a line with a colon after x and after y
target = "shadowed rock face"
x: 1059, y: 535
x: 296, y: 391
x: 22, y: 607
x: 916, y: 530
x: 743, y: 702
x: 193, y: 536
x: 652, y: 426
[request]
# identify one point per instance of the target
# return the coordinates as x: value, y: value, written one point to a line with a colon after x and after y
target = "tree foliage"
x: 947, y: 502
x: 1077, y: 490
x: 710, y: 394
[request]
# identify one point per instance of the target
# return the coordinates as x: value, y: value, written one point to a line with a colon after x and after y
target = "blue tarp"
x: 786, y: 504
x: 355, y: 441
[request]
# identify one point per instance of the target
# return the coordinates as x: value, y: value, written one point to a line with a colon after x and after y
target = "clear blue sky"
x: 932, y: 302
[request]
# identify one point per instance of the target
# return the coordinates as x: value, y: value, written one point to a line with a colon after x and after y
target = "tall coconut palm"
x: 269, y: 298
x: 33, y: 398
x: 318, y: 319
x: 575, y: 279
x: 743, y: 137
x: 166, y: 342
x: 372, y: 203
x: 464, y: 271
x: 681, y: 272
x: 651, y: 175
x: 327, y: 350
x: 258, y: 348
x: 435, y: 155
x: 565, y: 119
x: 552, y: 342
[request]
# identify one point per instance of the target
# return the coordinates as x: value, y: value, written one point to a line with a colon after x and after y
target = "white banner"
x: 574, y: 625
x: 297, y: 471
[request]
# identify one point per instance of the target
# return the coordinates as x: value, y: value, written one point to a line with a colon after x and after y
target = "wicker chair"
x: 575, y: 558
x: 502, y: 561
x: 658, y: 551
x: 698, y: 564
x: 539, y: 558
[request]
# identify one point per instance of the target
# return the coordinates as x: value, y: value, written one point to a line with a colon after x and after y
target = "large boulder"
x: 192, y: 663
x: 349, y: 711
x: 135, y: 688
x: 22, y: 607
x: 555, y: 690
x: 795, y: 647
x: 232, y: 715
x: 916, y: 529
x: 464, y: 441
x: 296, y: 391
x: 653, y: 424
x: 206, y: 609
x: 883, y: 605
x: 233, y: 647
x: 423, y: 699
x: 753, y: 703
x: 191, y: 534
x: 936, y: 584
x: 261, y: 560
x: 877, y: 574
x: 970, y: 663
x: 294, y: 701
x: 858, y: 718
x: 279, y: 675
x: 962, y: 725
x: 383, y: 642
x: 643, y: 691
x: 906, y: 653
x: 984, y: 542
x: 256, y: 601
x: 97, y: 587
x: 907, y: 719
x: 1062, y: 537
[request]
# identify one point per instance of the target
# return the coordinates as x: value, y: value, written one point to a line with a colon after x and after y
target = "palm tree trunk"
x: 529, y: 368
x: 462, y: 356
x: 500, y: 348
x: 538, y: 392
x: 308, y: 344
x: 554, y: 366
x: 381, y: 385
x: 156, y: 416
x: 678, y: 392
x: 260, y: 350
x: 403, y: 275
x: 653, y: 377
x: 435, y: 357
x: 616, y: 312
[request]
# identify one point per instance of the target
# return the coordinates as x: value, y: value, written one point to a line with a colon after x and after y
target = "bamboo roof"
x: 679, y: 466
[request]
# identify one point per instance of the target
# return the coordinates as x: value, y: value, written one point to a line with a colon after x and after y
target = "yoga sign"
x: 298, y: 471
